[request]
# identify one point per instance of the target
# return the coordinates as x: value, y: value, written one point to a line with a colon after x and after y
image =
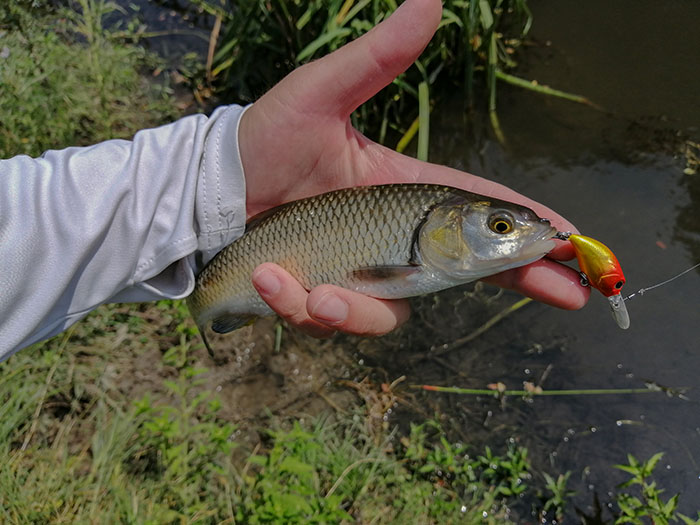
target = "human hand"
x: 297, y: 141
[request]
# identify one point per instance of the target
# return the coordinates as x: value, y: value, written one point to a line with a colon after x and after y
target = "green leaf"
x: 171, y: 385
x: 448, y: 17
x: 485, y: 14
x: 651, y: 463
x: 353, y: 12
x: 290, y: 505
x: 689, y: 521
x: 671, y: 505
x: 628, y: 504
x: 257, y: 459
x: 321, y: 41
x: 424, y: 121
x: 626, y: 468
x: 295, y: 466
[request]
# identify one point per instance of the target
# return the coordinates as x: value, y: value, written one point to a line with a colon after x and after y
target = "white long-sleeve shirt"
x: 120, y: 221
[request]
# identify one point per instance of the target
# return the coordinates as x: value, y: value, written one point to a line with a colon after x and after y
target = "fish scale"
x: 319, y: 240
x: 363, y: 239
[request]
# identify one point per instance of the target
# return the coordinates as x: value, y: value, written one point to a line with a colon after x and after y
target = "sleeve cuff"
x: 220, y: 207
x: 219, y: 213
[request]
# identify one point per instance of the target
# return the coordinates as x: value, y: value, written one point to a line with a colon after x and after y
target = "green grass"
x: 66, y: 81
x: 77, y: 456
x: 78, y: 451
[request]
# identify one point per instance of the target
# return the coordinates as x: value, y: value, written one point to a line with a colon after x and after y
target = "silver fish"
x: 387, y: 241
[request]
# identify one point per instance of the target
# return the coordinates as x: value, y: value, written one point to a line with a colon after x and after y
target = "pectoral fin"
x: 388, y: 282
x: 229, y: 322
x: 386, y: 273
x: 223, y: 324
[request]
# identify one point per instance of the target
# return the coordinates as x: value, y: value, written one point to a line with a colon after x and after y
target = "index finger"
x: 545, y: 281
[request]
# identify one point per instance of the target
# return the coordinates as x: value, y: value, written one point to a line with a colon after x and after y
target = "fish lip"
x: 547, y: 236
x: 551, y: 234
x: 537, y: 248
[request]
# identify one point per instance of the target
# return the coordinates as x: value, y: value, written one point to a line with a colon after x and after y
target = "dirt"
x: 253, y: 379
x: 259, y: 378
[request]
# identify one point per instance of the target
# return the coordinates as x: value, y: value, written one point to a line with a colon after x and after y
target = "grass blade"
x: 321, y: 41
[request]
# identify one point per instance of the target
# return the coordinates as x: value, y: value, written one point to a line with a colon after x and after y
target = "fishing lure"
x: 601, y: 270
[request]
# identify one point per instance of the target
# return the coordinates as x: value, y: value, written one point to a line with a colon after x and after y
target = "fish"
x: 602, y: 271
x: 387, y: 241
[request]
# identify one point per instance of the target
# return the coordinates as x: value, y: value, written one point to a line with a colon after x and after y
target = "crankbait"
x: 601, y: 270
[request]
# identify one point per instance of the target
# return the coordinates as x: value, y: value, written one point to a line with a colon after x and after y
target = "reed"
x: 260, y: 42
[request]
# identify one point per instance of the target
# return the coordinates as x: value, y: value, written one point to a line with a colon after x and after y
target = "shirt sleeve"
x: 119, y: 221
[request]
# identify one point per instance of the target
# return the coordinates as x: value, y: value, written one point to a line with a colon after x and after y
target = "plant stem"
x: 408, y: 136
x: 424, y: 121
x: 525, y: 393
x: 532, y: 85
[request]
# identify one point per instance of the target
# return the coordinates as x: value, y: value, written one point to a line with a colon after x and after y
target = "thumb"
x: 338, y: 83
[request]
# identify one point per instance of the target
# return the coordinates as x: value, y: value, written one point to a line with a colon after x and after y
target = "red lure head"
x: 612, y: 283
x: 600, y: 265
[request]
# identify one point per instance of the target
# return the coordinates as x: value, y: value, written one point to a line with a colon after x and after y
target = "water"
x: 178, y: 27
x: 618, y: 175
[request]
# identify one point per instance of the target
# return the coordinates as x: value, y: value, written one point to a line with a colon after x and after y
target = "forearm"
x: 118, y: 221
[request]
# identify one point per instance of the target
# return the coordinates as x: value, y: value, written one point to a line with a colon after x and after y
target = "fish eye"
x: 501, y: 224
x: 619, y: 284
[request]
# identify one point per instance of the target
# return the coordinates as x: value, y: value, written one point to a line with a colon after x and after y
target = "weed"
x: 557, y: 502
x: 288, y: 487
x: 650, y: 504
x: 473, y: 487
x: 183, y: 444
x: 168, y: 458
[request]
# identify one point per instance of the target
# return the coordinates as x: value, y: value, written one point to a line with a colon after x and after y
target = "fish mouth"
x: 533, y: 251
x: 550, y: 234
x: 542, y: 245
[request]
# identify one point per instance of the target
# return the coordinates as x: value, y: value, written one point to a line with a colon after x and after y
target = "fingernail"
x: 330, y: 309
x: 267, y: 282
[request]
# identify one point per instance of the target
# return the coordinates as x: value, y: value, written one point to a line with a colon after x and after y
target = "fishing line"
x: 641, y: 291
